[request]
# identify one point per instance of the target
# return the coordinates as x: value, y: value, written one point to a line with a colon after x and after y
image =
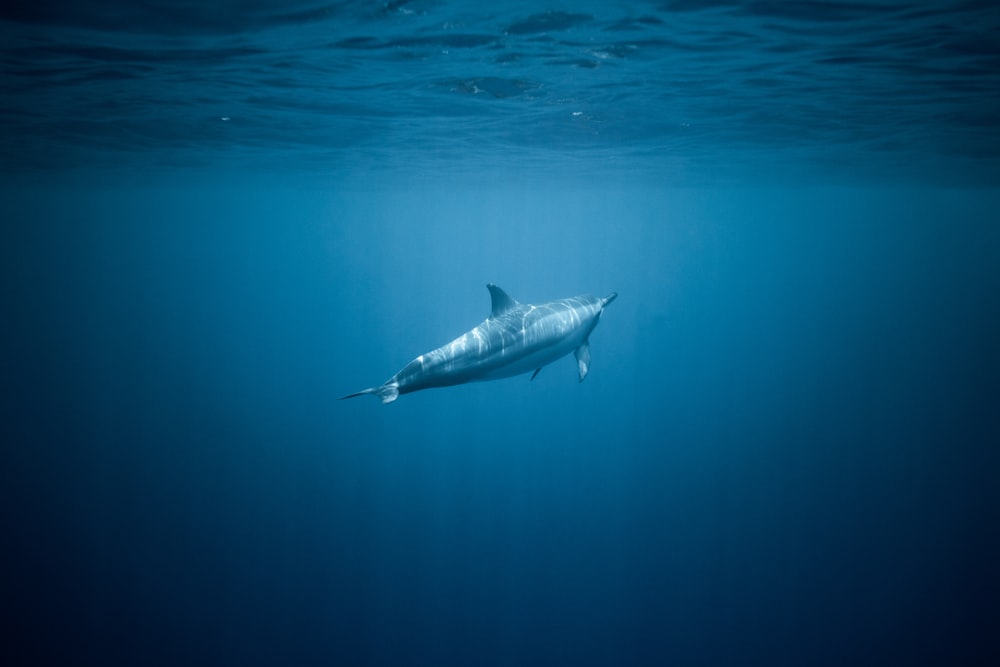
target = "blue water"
x: 217, y: 218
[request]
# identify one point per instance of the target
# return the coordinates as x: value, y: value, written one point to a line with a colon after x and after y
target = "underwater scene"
x: 669, y: 332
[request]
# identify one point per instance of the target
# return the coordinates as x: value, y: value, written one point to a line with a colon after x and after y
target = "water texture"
x: 675, y: 91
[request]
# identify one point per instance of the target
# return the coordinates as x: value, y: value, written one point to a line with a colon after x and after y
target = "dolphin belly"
x: 529, y: 362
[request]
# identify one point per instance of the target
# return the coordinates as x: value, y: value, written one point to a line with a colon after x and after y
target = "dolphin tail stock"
x: 388, y: 392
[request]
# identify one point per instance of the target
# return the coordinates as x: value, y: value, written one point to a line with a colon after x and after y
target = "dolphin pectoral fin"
x: 582, y: 355
x: 388, y: 392
x: 537, y: 371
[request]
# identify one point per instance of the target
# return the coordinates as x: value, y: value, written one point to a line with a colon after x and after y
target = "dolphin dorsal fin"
x: 502, y: 303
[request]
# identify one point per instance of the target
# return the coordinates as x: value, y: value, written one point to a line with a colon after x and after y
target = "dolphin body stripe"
x: 516, y: 338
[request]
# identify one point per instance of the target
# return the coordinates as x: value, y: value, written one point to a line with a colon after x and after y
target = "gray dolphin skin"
x: 514, y: 339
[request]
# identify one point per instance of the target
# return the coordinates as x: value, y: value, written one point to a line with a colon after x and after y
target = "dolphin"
x: 514, y: 339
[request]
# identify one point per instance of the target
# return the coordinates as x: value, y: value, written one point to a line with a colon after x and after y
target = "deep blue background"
x: 216, y: 220
x: 785, y: 453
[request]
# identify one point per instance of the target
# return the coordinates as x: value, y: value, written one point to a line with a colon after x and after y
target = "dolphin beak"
x: 609, y: 298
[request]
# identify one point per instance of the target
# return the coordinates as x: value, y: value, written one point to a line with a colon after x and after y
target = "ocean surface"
x: 217, y: 218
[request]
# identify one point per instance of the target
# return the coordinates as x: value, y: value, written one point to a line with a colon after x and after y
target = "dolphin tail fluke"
x: 388, y: 392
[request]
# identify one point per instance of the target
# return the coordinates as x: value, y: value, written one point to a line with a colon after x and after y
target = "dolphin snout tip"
x: 611, y: 297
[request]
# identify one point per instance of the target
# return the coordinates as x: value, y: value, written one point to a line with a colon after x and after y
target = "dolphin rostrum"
x: 514, y: 339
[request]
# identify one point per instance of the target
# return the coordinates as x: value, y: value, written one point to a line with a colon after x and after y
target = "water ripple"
x: 834, y: 89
